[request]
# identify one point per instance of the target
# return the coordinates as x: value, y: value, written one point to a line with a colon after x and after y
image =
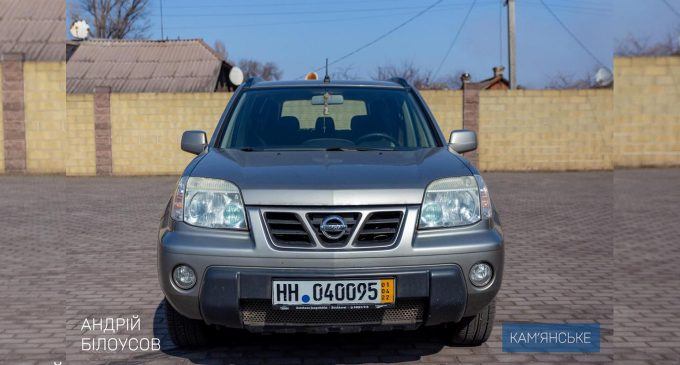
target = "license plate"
x: 333, y: 294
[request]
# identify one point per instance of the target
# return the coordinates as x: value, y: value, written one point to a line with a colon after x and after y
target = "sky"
x: 299, y: 34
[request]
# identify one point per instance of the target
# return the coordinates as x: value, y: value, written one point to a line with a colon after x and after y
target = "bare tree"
x: 343, y: 73
x: 449, y: 81
x: 588, y: 80
x: 644, y: 46
x: 221, y: 49
x: 421, y: 79
x: 267, y: 71
x: 73, y: 12
x: 406, y: 70
x: 116, y: 19
x: 562, y: 80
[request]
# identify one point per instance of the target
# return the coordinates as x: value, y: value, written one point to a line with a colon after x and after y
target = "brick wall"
x: 45, y: 113
x: 2, y: 134
x: 447, y: 107
x: 646, y: 128
x: 80, y: 146
x: 545, y: 129
x: 13, y: 114
x: 146, y: 129
x: 636, y: 124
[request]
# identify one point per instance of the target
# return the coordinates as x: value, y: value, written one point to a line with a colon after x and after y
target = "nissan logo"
x: 333, y: 227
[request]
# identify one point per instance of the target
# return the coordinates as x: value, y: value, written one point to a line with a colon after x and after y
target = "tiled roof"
x: 36, y: 28
x: 143, y: 66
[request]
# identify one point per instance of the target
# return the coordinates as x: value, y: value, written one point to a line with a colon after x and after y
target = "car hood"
x: 331, y: 177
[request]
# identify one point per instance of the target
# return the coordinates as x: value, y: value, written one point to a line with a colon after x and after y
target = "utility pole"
x: 162, y: 35
x: 511, y: 43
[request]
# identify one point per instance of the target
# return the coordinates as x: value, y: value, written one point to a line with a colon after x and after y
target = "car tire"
x: 186, y: 332
x: 472, y: 331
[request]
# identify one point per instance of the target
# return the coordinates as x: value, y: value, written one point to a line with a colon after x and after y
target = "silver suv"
x: 329, y: 207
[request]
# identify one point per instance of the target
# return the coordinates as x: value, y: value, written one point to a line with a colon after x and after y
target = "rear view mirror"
x: 332, y: 100
x: 194, y: 141
x: 463, y: 140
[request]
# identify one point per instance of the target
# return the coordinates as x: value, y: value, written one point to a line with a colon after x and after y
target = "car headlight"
x: 456, y: 201
x: 209, y: 203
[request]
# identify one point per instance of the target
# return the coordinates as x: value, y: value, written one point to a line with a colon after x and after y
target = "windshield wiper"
x: 335, y: 148
x: 358, y: 149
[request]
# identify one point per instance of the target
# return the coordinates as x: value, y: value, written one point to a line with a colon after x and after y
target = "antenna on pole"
x: 162, y: 35
x: 326, y: 79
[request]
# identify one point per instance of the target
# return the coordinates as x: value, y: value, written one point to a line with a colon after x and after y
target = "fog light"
x: 184, y: 277
x: 480, y: 274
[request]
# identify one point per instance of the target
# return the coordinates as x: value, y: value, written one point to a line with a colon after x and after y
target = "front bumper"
x: 235, y: 270
x: 240, y: 297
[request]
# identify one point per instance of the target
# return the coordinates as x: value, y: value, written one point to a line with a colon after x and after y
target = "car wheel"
x: 472, y: 331
x: 186, y: 332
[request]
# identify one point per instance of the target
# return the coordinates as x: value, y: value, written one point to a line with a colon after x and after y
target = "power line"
x: 306, y: 20
x: 574, y: 8
x: 382, y: 36
x: 296, y: 12
x: 672, y: 8
x: 278, y: 4
x: 315, y: 3
x: 455, y: 38
x: 295, y: 22
x: 572, y: 34
x: 582, y: 2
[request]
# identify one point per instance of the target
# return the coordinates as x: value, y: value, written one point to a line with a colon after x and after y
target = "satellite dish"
x: 80, y: 29
x: 604, y: 77
x: 236, y: 76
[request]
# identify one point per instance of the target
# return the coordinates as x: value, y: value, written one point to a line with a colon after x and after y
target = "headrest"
x: 360, y: 121
x: 289, y: 123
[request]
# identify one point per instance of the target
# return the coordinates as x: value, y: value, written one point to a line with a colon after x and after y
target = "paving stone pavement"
x: 580, y: 247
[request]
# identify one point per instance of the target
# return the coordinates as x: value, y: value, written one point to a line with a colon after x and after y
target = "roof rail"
x: 252, y: 81
x: 401, y: 81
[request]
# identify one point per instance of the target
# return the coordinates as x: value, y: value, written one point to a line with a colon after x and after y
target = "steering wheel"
x: 377, y: 135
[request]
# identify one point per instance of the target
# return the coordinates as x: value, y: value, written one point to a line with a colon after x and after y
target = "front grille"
x: 286, y: 229
x: 351, y: 219
x: 300, y: 228
x: 380, y: 228
x: 260, y: 313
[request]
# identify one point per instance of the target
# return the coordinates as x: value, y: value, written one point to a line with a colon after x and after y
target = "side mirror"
x: 194, y: 141
x: 463, y: 140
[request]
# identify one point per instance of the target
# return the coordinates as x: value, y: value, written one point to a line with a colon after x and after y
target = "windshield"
x: 327, y: 118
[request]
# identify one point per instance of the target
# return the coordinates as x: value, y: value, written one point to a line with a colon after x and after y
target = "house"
x: 133, y: 66
x: 496, y: 82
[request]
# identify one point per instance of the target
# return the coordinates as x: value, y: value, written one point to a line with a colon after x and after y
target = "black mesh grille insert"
x: 380, y: 228
x: 350, y: 219
x: 260, y: 313
x: 286, y: 229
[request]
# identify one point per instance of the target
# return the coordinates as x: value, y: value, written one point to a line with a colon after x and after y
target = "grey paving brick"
x: 596, y: 246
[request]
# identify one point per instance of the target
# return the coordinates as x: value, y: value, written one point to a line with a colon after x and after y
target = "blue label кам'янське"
x: 551, y: 337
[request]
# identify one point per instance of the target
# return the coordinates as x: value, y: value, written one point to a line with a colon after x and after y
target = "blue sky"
x: 299, y: 34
